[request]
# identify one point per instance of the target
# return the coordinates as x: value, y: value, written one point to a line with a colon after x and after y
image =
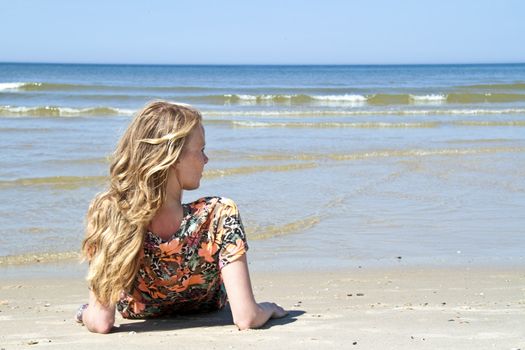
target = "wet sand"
x: 360, y: 308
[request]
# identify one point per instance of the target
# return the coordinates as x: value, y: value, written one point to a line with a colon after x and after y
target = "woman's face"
x: 190, y: 165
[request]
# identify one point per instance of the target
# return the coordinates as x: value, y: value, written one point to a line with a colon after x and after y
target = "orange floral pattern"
x: 182, y: 274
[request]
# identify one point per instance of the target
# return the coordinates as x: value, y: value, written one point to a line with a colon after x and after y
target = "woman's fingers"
x: 278, y: 311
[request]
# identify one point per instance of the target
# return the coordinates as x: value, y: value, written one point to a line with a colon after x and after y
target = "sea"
x: 331, y: 166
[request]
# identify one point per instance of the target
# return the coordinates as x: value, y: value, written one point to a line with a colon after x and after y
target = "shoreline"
x: 69, y: 265
x: 403, y: 307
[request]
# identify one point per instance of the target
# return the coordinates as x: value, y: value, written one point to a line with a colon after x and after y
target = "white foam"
x: 259, y: 97
x: 271, y: 97
x: 346, y: 97
x: 429, y: 98
x: 63, y: 111
x: 22, y: 110
x: 123, y: 111
x: 246, y: 97
x: 367, y: 112
x: 255, y: 124
x: 11, y: 86
x: 250, y: 124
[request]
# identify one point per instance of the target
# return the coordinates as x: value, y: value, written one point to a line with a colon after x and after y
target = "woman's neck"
x: 168, y: 218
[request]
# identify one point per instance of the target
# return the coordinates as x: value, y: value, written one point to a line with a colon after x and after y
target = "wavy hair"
x: 117, y: 219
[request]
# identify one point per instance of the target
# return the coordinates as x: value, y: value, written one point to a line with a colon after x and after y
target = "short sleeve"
x: 229, y: 234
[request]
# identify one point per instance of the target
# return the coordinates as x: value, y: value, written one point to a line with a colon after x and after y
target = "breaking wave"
x: 55, y: 111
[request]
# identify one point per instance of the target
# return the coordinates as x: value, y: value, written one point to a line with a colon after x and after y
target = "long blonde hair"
x: 117, y: 218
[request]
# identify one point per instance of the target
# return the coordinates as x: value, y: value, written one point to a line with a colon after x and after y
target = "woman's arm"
x: 97, y: 317
x: 245, y: 311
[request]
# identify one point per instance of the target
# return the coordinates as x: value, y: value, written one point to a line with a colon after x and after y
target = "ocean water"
x: 330, y: 165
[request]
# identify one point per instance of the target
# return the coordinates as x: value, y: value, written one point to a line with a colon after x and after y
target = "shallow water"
x: 326, y: 177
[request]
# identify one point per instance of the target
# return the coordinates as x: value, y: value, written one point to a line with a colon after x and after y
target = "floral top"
x: 182, y: 274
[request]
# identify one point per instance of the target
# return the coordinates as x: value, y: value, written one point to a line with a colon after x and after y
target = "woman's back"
x: 182, y: 274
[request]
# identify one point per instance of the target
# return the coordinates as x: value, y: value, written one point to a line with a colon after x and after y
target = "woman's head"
x: 150, y: 147
x: 186, y: 173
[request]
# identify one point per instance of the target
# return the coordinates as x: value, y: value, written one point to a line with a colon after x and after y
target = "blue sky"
x: 262, y: 32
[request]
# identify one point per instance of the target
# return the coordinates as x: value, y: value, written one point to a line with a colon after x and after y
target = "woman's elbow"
x: 102, y: 328
x: 248, y: 321
x: 245, y: 324
x: 97, y: 319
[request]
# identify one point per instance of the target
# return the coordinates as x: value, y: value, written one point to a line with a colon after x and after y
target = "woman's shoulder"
x: 210, y: 202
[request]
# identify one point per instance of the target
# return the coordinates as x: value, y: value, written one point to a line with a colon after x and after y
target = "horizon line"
x: 264, y: 64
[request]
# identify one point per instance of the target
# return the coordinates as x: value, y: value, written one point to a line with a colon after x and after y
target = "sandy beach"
x: 366, y: 308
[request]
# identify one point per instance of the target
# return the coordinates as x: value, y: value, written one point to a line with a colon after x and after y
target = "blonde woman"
x: 151, y: 255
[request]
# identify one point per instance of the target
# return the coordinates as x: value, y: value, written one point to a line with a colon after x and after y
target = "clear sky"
x: 262, y: 32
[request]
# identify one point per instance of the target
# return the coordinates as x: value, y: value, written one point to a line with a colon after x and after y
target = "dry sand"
x: 361, y: 308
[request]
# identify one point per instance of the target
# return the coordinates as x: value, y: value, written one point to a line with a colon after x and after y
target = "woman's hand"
x: 276, y: 310
x: 245, y: 311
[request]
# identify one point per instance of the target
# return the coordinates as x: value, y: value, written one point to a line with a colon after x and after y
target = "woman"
x: 150, y: 255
